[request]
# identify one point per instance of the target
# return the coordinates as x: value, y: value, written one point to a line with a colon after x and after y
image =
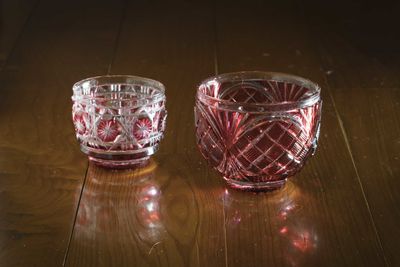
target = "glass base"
x: 256, y: 187
x: 120, y: 164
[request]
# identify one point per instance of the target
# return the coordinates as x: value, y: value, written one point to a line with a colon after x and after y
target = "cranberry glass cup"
x: 257, y: 128
x: 119, y: 120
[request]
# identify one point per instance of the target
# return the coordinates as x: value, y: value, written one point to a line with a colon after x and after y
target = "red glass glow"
x: 257, y: 131
x: 119, y: 120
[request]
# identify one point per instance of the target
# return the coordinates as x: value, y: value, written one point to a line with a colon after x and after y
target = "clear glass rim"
x: 313, y: 98
x: 119, y: 79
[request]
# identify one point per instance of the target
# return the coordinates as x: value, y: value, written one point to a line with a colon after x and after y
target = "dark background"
x: 342, y: 209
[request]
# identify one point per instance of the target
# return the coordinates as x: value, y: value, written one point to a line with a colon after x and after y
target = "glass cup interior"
x: 257, y: 128
x: 118, y: 91
x: 119, y: 120
x: 258, y: 91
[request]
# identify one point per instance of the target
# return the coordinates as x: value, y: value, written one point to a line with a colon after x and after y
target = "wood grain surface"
x: 14, y: 15
x: 42, y: 170
x: 178, y: 50
x: 334, y: 221
x: 340, y: 210
x: 364, y: 82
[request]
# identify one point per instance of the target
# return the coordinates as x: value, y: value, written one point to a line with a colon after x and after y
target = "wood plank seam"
x: 345, y: 136
x: 216, y: 73
x: 75, y: 216
x: 225, y: 242
x: 16, y: 41
x: 325, y: 172
x: 215, y: 39
x: 346, y: 140
x: 117, y: 37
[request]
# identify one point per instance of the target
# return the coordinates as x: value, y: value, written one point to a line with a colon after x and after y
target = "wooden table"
x: 56, y: 209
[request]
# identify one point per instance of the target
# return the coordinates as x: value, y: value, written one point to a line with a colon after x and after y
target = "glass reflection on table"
x: 284, y: 218
x: 122, y: 205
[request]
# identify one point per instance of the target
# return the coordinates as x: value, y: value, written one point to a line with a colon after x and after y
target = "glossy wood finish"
x: 341, y: 210
x: 42, y: 169
x: 330, y: 234
x: 367, y: 74
x: 13, y: 16
x: 191, y: 211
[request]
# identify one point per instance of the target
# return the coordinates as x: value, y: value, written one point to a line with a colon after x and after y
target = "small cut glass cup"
x: 119, y: 120
x: 257, y: 128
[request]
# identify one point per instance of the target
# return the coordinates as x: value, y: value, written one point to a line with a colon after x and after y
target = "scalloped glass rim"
x: 259, y: 107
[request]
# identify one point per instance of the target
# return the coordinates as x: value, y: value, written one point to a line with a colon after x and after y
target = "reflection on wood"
x: 284, y: 226
x: 329, y: 178
x: 175, y: 45
x: 144, y: 217
x: 41, y: 167
x: 177, y: 211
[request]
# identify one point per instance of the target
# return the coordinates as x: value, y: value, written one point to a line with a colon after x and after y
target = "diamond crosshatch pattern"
x: 256, y: 146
